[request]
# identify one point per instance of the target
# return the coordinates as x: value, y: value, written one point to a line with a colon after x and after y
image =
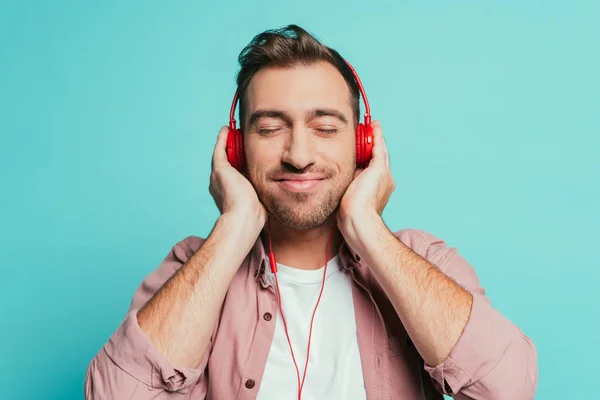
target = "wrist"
x: 229, y: 238
x: 365, y: 232
x: 241, y: 226
x: 359, y: 224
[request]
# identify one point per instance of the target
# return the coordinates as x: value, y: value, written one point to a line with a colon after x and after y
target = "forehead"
x: 298, y: 88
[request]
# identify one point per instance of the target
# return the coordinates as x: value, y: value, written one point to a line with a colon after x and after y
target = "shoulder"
x: 426, y: 244
x: 417, y: 239
x: 185, y: 248
x: 178, y: 255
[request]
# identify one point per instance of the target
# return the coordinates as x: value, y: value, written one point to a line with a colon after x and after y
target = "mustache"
x: 286, y: 169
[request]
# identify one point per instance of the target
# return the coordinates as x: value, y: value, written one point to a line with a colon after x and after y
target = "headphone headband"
x: 232, y: 123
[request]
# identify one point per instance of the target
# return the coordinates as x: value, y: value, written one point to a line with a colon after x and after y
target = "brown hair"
x: 288, y: 47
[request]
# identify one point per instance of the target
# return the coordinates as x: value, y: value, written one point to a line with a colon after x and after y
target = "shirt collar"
x: 348, y: 258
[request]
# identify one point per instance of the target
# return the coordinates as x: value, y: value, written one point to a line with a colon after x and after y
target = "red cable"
x: 315, y: 311
x: 273, y: 263
x: 288, y: 335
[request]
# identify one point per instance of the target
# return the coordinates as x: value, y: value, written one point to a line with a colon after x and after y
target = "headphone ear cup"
x: 368, y: 144
x: 359, y: 145
x: 364, y: 145
x: 240, y: 151
x: 235, y: 151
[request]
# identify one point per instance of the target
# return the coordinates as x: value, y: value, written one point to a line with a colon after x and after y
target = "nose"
x: 299, y: 151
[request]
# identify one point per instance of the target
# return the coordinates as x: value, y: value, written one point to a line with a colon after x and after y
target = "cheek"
x: 259, y: 160
x: 343, y: 155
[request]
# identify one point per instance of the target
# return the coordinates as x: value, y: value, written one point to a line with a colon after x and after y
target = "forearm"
x: 432, y: 307
x: 180, y: 317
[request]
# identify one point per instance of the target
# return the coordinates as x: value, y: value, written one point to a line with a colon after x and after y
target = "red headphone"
x: 364, y: 134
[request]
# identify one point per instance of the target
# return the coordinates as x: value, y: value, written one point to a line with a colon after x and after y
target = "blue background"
x: 109, y: 112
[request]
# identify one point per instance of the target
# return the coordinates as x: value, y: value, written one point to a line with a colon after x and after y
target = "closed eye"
x: 327, y: 131
x: 266, y: 131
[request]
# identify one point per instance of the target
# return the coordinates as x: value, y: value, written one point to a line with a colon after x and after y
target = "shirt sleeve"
x: 493, y: 359
x: 128, y: 365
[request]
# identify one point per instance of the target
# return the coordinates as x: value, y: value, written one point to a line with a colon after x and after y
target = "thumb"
x: 220, y: 153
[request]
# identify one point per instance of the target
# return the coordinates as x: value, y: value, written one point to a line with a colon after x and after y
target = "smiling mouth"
x: 299, y: 185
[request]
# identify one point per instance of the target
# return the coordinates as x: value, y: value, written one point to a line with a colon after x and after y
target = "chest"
x: 333, y: 369
x: 354, y: 326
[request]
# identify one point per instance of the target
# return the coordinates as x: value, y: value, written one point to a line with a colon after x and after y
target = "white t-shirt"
x: 334, y: 367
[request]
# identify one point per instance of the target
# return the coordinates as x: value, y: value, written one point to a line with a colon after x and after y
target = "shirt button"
x: 250, y: 384
x: 267, y: 316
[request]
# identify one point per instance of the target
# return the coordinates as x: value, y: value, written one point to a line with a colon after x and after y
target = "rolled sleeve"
x: 133, y: 352
x: 129, y: 365
x: 492, y: 359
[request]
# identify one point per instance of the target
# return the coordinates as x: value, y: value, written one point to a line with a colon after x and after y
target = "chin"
x: 302, y: 215
x: 303, y: 223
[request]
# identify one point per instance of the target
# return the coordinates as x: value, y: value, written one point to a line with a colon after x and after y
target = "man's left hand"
x: 370, y: 190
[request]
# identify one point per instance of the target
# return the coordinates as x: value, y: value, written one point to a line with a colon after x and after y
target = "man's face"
x: 299, y: 141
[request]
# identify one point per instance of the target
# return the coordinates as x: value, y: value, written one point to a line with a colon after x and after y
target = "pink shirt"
x: 493, y: 359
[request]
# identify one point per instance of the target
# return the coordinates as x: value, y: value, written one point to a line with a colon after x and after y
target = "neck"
x: 305, y: 249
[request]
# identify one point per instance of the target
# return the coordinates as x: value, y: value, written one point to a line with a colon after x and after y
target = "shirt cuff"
x: 131, y: 349
x: 485, y: 337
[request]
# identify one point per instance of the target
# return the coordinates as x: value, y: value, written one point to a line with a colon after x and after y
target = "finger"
x: 220, y: 152
x: 387, y: 154
x: 384, y: 145
x: 379, y: 152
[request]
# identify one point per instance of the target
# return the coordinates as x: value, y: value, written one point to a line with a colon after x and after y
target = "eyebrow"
x: 282, y: 115
x: 277, y: 114
x: 326, y: 112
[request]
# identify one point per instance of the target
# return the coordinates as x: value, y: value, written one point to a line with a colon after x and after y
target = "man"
x: 400, y: 315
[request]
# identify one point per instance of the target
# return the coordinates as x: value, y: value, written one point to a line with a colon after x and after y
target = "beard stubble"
x: 289, y: 208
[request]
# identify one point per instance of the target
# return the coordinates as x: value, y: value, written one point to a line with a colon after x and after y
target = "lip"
x: 299, y: 185
x: 299, y: 177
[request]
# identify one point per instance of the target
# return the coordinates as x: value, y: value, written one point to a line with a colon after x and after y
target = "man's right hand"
x: 180, y: 316
x: 234, y: 195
